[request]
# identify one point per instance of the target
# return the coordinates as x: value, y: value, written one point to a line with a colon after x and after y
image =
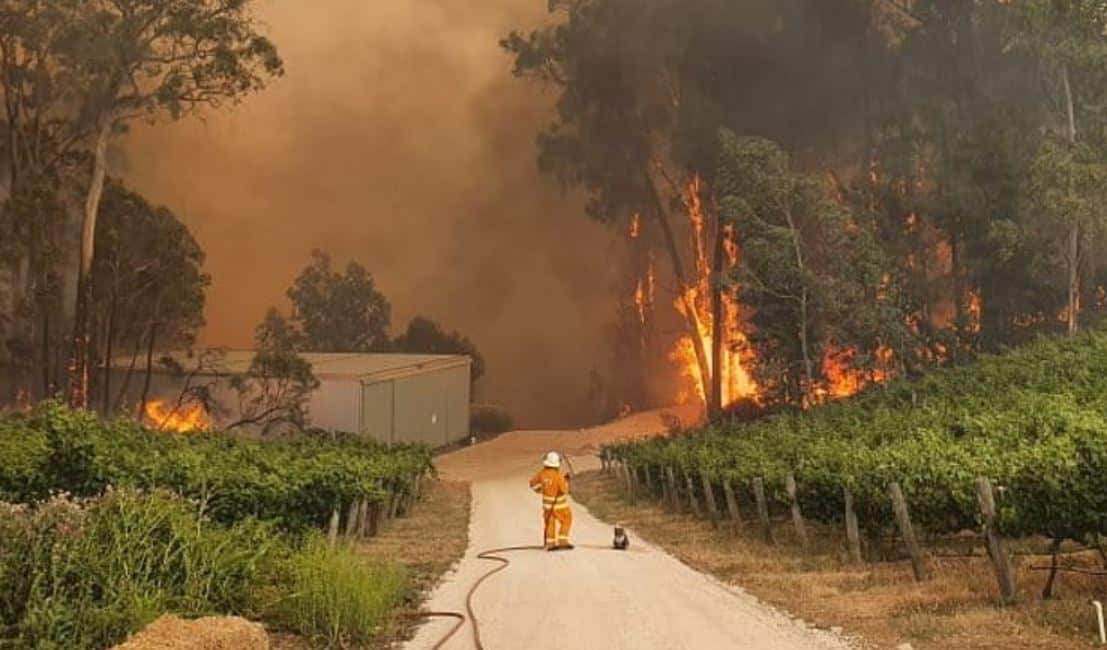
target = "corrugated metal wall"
x: 376, y: 411
x: 430, y: 407
x: 420, y: 403
x: 334, y: 405
x: 457, y: 406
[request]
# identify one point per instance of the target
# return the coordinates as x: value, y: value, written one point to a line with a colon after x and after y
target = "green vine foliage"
x: 1034, y: 421
x: 293, y: 482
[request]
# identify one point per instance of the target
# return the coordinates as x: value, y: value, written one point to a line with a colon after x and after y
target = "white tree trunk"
x: 1073, y: 256
x: 79, y: 360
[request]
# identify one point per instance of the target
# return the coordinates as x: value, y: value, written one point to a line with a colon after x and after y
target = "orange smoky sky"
x: 398, y: 139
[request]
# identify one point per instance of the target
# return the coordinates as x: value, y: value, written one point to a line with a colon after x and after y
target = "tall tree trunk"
x: 1074, y: 280
x: 149, y: 370
x: 691, y: 321
x: 109, y: 350
x: 958, y: 284
x: 125, y: 387
x: 44, y: 357
x: 718, y: 331
x: 804, y: 335
x: 1074, y: 228
x: 78, y: 365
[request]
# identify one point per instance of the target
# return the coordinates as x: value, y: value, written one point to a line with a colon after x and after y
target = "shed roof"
x: 353, y: 366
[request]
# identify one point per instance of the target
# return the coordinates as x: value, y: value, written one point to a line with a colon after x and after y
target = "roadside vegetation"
x: 1032, y: 422
x: 107, y: 525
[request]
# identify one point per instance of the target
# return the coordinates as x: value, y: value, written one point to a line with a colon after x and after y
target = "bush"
x: 86, y: 574
x: 115, y: 525
x: 293, y: 482
x: 335, y: 597
x: 1034, y: 421
x: 485, y: 418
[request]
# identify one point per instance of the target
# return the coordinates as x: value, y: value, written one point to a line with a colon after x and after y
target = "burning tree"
x: 825, y: 313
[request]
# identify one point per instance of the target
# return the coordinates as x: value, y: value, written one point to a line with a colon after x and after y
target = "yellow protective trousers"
x: 559, y: 520
x: 556, y: 516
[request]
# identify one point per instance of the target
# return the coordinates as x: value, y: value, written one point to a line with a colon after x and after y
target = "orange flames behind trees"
x: 695, y: 305
x: 187, y: 418
x: 843, y: 379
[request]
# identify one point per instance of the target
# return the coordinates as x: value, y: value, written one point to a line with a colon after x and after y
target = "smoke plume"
x: 398, y: 139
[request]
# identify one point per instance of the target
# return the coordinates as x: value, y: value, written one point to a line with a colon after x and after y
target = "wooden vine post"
x: 709, y: 497
x: 1001, y: 561
x: 374, y: 515
x: 332, y: 528
x: 732, y: 504
x: 692, y: 500
x: 903, y: 520
x: 363, y: 517
x: 628, y: 482
x: 763, y: 509
x: 797, y: 514
x: 674, y: 493
x: 351, y: 519
x: 853, y: 531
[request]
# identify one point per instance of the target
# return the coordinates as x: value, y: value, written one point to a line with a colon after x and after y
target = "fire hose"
x: 492, y: 555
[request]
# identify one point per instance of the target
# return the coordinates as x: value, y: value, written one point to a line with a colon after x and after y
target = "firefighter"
x: 554, y: 488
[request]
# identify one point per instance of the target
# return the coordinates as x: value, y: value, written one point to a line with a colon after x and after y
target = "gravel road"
x: 592, y: 598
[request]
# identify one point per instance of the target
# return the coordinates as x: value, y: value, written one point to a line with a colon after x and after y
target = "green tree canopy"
x: 425, y: 336
x: 339, y: 311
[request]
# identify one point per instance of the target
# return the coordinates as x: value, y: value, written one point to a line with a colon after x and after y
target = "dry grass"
x: 428, y: 543
x: 879, y: 602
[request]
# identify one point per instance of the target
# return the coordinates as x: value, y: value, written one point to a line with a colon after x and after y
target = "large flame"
x: 186, y: 418
x: 695, y: 305
x: 845, y: 380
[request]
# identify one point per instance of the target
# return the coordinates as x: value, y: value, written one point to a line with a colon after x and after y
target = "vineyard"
x: 1032, y: 423
x: 106, y: 525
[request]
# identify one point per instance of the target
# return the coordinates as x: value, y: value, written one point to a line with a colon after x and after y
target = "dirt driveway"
x: 593, y: 597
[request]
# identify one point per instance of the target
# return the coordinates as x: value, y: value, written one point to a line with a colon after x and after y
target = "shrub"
x: 1034, y: 421
x: 79, y: 574
x: 293, y: 482
x: 485, y: 418
x: 335, y: 597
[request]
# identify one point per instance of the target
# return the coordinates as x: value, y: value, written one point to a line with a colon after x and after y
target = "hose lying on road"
x: 494, y: 556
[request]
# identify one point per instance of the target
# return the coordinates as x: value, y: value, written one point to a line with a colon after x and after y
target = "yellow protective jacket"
x: 553, y: 487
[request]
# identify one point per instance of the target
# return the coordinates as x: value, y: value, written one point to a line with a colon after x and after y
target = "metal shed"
x: 394, y: 398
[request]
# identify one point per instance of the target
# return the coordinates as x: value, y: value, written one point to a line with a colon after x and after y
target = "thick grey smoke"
x: 398, y: 139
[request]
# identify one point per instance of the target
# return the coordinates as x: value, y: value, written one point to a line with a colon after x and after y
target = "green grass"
x: 85, y: 574
x: 336, y: 597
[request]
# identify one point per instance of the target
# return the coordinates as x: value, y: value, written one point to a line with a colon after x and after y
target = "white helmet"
x: 553, y: 461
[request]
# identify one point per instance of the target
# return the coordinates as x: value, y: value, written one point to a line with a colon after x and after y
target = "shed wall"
x: 376, y: 411
x: 420, y: 403
x: 335, y: 405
